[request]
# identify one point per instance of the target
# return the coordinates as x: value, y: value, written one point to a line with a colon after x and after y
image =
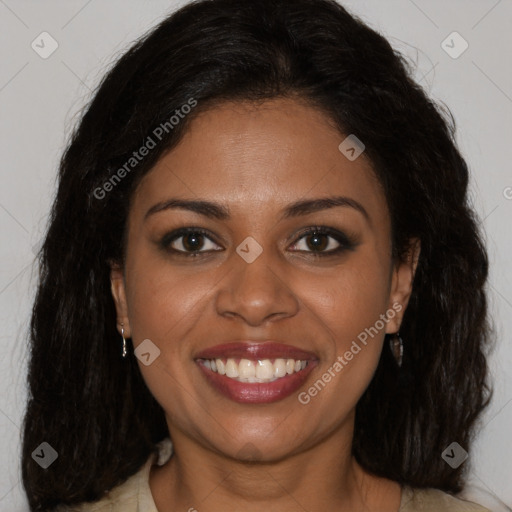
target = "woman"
x: 262, y: 287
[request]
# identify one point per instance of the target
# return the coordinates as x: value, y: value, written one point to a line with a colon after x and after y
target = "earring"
x: 124, y: 341
x: 397, y: 348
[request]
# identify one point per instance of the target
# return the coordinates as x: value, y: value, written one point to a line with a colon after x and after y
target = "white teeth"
x: 231, y: 368
x: 280, y: 367
x: 220, y: 366
x: 262, y: 370
x: 246, y: 369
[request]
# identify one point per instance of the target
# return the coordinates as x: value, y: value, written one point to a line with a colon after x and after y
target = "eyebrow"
x: 217, y: 211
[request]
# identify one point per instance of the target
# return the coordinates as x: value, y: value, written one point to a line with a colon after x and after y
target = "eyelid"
x: 176, y: 234
x: 346, y: 242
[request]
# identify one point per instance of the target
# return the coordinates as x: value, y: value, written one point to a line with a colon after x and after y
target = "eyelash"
x: 346, y: 243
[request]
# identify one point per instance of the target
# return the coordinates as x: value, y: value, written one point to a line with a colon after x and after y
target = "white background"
x: 40, y: 98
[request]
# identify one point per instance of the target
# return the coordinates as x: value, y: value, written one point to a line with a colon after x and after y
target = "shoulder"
x: 132, y: 495
x: 435, y: 500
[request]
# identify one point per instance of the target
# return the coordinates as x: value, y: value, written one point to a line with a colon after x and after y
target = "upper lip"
x: 255, y: 350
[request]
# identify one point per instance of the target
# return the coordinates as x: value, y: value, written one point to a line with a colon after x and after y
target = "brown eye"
x: 188, y: 242
x: 317, y: 241
x: 323, y: 241
x: 192, y: 241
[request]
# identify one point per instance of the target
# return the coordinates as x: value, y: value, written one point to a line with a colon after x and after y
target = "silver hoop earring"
x: 397, y: 348
x: 124, y: 341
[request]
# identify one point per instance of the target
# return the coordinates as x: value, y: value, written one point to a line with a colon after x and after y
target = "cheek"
x: 350, y: 306
x: 164, y: 306
x: 162, y: 303
x: 352, y: 298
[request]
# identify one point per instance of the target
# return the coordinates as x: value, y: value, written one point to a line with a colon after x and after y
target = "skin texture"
x: 257, y: 159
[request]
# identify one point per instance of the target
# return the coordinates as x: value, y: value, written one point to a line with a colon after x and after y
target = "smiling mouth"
x: 254, y: 371
x: 267, y: 385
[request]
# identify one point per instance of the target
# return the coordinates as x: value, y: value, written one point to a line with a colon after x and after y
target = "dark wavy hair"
x: 92, y: 406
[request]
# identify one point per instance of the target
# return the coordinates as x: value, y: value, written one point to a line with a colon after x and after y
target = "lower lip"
x: 256, y: 392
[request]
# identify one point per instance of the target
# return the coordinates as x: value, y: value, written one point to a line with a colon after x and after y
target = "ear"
x: 401, y: 285
x: 117, y: 287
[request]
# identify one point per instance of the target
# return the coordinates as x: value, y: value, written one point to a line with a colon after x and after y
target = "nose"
x: 256, y: 292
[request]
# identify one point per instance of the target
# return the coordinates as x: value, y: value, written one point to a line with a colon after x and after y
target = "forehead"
x: 273, y: 153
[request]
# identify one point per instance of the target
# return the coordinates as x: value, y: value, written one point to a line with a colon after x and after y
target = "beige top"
x: 134, y: 495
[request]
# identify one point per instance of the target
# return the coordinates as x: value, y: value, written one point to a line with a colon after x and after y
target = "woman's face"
x: 258, y: 278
